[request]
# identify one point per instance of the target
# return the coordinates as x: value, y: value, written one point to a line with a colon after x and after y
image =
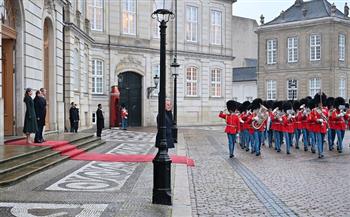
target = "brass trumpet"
x: 262, y: 115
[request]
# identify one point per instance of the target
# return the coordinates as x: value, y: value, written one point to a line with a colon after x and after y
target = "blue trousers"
x: 331, y: 138
x: 340, y: 137
x: 231, y: 142
x: 319, y: 141
x: 289, y: 138
x: 269, y: 137
x: 277, y: 139
x: 305, y: 137
x: 258, y: 139
x: 124, y: 123
x: 312, y: 138
x: 297, y: 134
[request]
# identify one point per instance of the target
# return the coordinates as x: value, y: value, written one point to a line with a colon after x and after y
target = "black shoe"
x: 247, y: 149
x: 257, y: 154
x: 270, y: 146
x: 306, y: 149
x: 297, y: 147
x: 313, y: 151
x: 38, y: 141
x: 288, y: 152
x: 320, y: 156
x: 279, y: 150
x: 340, y: 151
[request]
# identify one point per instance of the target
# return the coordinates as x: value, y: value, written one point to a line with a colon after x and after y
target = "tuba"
x: 262, y: 117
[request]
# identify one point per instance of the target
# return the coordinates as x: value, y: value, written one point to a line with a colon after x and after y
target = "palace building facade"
x: 304, y: 50
x: 78, y: 50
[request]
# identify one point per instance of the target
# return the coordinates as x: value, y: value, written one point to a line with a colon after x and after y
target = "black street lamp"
x: 175, y: 65
x: 162, y: 161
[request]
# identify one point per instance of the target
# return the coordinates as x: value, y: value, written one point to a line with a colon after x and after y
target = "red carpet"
x: 67, y: 149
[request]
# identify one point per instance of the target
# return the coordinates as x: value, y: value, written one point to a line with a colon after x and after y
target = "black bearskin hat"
x: 231, y: 105
x: 330, y: 102
x: 347, y: 105
x: 339, y: 101
x: 304, y: 101
x: 241, y: 108
x: 277, y: 104
x: 269, y: 104
x: 320, y: 98
x: 246, y: 104
x: 287, y: 105
x: 311, y: 104
x: 296, y: 104
x: 308, y: 98
x: 256, y: 103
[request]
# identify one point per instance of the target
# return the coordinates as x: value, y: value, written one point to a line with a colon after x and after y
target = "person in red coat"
x: 232, y: 125
x: 288, y: 124
x: 339, y: 116
x: 302, y: 116
x: 331, y: 123
x: 260, y: 116
x: 318, y: 116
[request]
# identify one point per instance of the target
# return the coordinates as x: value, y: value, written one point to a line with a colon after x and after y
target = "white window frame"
x: 271, y: 51
x: 292, y: 49
x: 342, y: 87
x: 191, y: 23
x: 292, y: 89
x: 314, y: 86
x: 96, y: 76
x: 315, y: 47
x: 216, y: 82
x: 341, y: 46
x: 129, y: 13
x: 215, y: 27
x: 82, y: 6
x: 93, y: 7
x: 155, y: 71
x: 271, y: 90
x: 192, y: 81
x: 76, y: 69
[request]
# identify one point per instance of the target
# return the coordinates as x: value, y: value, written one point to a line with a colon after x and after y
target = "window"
x: 215, y: 30
x: 155, y: 71
x: 342, y: 88
x: 76, y: 69
x: 249, y: 98
x: 97, y: 76
x: 129, y: 17
x: 314, y: 86
x: 271, y: 51
x: 292, y: 89
x: 293, y: 50
x: 191, y: 81
x: 315, y: 47
x: 191, y: 23
x: 341, y: 48
x: 215, y: 83
x: 81, y: 6
x: 85, y: 80
x: 95, y: 14
x: 271, y: 90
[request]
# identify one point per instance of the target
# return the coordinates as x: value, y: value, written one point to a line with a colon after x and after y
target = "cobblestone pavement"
x: 90, y: 189
x: 274, y: 184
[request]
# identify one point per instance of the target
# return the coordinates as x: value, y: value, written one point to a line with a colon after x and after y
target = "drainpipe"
x: 64, y: 67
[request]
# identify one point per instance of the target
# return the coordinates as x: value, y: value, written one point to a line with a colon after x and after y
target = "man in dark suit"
x: 40, y: 111
x: 100, y: 120
x: 73, y: 118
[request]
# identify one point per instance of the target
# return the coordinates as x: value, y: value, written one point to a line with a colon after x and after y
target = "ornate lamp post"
x: 162, y: 161
x: 175, y: 65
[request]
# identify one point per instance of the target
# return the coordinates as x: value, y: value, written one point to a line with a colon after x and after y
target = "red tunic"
x: 338, y: 123
x: 288, y: 124
x: 232, y: 122
x: 319, y: 127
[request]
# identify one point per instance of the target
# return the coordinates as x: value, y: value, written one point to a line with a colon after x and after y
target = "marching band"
x: 306, y: 121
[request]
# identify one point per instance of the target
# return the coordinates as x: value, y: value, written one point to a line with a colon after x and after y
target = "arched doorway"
x: 8, y: 41
x: 48, y: 68
x: 129, y: 84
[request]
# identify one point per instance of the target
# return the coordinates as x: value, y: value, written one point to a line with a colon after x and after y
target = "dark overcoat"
x: 30, y: 125
x: 40, y: 110
x: 100, y: 119
x: 169, y: 127
x: 73, y: 114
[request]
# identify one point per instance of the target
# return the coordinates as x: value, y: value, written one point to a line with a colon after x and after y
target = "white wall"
x: 242, y: 90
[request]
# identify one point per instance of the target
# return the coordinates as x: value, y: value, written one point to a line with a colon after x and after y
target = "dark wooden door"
x: 129, y: 84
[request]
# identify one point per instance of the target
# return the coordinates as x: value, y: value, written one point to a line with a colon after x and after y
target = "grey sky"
x: 269, y: 8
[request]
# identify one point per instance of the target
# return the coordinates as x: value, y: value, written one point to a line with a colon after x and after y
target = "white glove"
x: 255, y: 118
x: 320, y: 120
x: 340, y: 115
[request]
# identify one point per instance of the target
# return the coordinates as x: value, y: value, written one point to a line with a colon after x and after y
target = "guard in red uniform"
x: 288, y: 124
x: 276, y: 125
x: 331, y: 123
x: 304, y: 124
x: 297, y: 123
x: 232, y: 125
x: 319, y: 116
x: 339, y: 116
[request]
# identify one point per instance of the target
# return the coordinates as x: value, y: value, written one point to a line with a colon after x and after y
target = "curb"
x: 181, y: 201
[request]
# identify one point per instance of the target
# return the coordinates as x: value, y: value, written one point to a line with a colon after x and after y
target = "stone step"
x: 34, y: 166
x: 39, y: 155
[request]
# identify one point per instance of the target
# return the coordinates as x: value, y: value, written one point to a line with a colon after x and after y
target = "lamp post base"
x: 161, y: 180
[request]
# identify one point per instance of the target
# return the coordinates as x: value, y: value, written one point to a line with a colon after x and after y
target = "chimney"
x: 298, y: 3
x: 346, y: 10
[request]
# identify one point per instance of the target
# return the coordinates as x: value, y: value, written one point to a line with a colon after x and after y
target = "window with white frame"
x: 216, y: 82
x: 292, y: 49
x: 155, y: 71
x: 271, y: 51
x: 342, y: 87
x: 85, y: 80
x: 215, y: 30
x: 95, y: 14
x: 76, y: 68
x: 129, y: 16
x: 82, y: 6
x: 292, y: 89
x: 191, y: 23
x: 97, y: 76
x: 314, y: 86
x: 271, y: 90
x: 315, y: 47
x: 341, y: 47
x: 191, y: 81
